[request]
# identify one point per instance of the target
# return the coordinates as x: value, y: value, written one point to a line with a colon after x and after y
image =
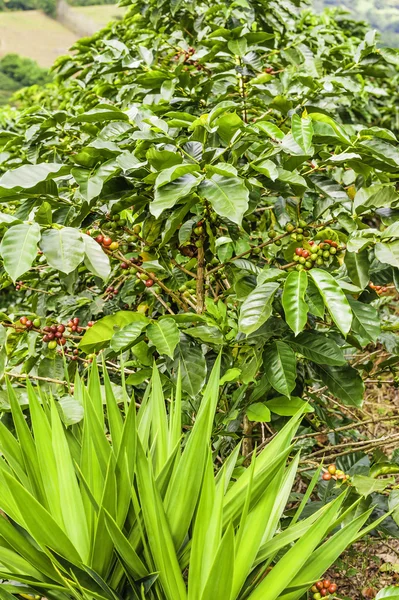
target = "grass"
x: 34, y: 35
x: 101, y: 15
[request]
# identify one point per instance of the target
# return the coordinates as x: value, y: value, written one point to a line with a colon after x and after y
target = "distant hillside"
x: 381, y: 14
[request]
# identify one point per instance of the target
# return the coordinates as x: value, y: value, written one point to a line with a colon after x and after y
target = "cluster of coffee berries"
x: 198, y: 232
x: 18, y: 285
x: 54, y: 335
x: 379, y: 289
x: 299, y: 232
x: 323, y: 589
x: 148, y: 281
x: 106, y: 242
x: 334, y: 473
x: 73, y: 325
x: 317, y: 255
x: 29, y: 323
x: 73, y: 355
x: 111, y: 292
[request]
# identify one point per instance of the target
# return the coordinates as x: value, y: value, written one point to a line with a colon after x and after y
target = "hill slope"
x: 383, y: 15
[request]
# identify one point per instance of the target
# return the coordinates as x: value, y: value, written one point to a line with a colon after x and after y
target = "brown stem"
x: 186, y: 271
x: 162, y: 301
x: 200, y: 281
x: 247, y: 444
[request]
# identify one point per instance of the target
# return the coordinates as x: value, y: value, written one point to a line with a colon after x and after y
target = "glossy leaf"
x: 19, y: 248
x: 227, y: 195
x: 165, y: 335
x: 280, y: 367
x: 334, y: 299
x: 257, y: 307
x: 63, y: 248
x: 294, y: 304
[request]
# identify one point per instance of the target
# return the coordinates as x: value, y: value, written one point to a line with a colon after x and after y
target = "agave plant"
x: 121, y: 505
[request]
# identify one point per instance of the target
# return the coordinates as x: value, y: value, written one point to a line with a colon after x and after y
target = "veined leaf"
x: 295, y: 307
x: 334, y: 299
x: 63, y: 248
x: 280, y: 367
x: 19, y: 248
x: 228, y: 196
x: 257, y: 307
x: 164, y: 334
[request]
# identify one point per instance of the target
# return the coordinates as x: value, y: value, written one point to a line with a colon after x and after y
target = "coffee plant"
x: 208, y: 179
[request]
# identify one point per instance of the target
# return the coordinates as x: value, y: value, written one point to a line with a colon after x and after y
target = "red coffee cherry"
x: 149, y: 283
x: 61, y: 328
x: 99, y: 239
x: 23, y: 320
x: 326, y: 476
x: 107, y: 241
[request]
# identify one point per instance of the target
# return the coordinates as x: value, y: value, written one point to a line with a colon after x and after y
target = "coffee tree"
x: 205, y: 179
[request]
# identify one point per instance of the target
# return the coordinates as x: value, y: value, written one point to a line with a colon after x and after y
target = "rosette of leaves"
x: 195, y: 151
x: 119, y: 504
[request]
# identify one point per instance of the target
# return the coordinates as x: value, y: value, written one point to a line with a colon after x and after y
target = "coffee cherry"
x: 149, y: 283
x: 333, y: 588
x: 61, y: 341
x: 326, y: 476
x: 61, y: 328
x: 313, y: 257
x: 289, y: 227
x: 90, y: 324
x: 75, y: 320
x: 114, y: 246
x: 299, y: 230
x: 306, y: 253
x: 23, y: 320
x: 293, y: 236
x: 277, y: 242
x: 299, y: 237
x: 326, y: 254
x: 29, y: 324
x: 58, y: 334
x: 296, y: 257
x: 332, y: 469
x: 124, y: 265
x: 319, y: 261
x: 298, y: 251
x: 36, y: 323
x: 198, y: 230
x: 313, y: 589
x: 333, y: 250
x: 308, y: 264
x: 46, y: 339
x: 99, y: 239
x: 106, y: 241
x: 74, y: 327
x: 323, y: 593
x: 52, y: 345
x: 272, y: 234
x: 137, y: 229
x: 46, y: 329
x: 317, y: 596
x: 76, y: 351
x: 302, y: 260
x: 319, y: 585
x: 326, y: 583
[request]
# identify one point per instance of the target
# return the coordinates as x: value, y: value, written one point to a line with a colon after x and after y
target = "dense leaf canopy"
x: 238, y: 164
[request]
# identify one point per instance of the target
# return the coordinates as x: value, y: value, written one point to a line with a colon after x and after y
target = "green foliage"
x: 237, y: 166
x: 118, y: 505
x: 381, y: 14
x: 23, y: 71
